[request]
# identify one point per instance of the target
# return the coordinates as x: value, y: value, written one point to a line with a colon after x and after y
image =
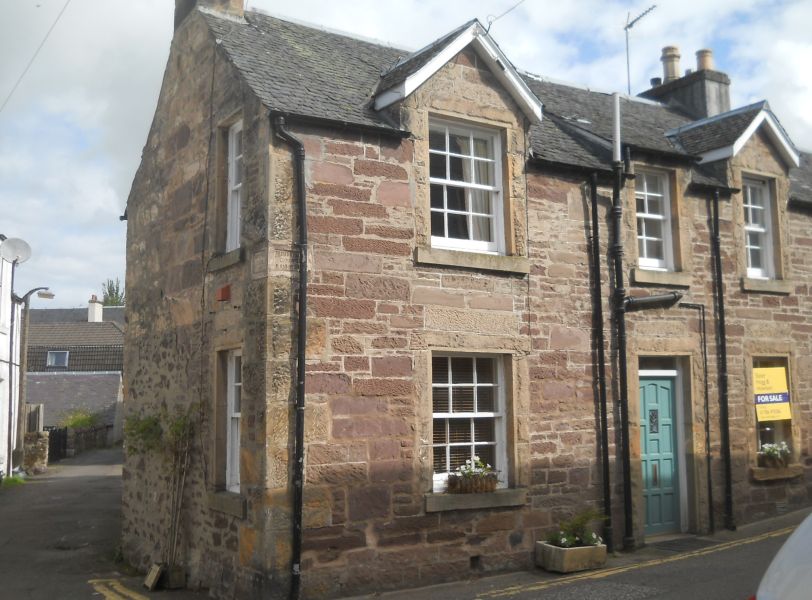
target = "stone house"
x: 449, y: 305
x: 74, y: 362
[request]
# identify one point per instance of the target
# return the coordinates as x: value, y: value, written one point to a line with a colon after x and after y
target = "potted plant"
x: 474, y: 477
x: 775, y: 456
x: 574, y: 547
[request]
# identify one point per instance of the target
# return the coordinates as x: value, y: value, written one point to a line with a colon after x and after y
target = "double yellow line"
x: 113, y: 589
x: 602, y: 573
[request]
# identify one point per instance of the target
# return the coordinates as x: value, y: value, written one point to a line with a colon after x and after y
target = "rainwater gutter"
x: 301, y: 343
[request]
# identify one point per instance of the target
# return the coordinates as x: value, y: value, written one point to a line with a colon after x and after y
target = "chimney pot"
x: 670, y: 59
x: 655, y: 81
x: 704, y: 60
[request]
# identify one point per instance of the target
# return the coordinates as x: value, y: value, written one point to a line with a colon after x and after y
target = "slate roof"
x: 75, y: 334
x: 80, y: 358
x: 306, y: 71
x: 74, y: 315
x: 90, y: 346
x: 63, y: 393
x: 719, y: 131
x: 643, y: 122
x: 317, y: 74
x: 800, y: 181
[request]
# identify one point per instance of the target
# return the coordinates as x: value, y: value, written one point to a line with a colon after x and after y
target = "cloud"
x: 71, y: 137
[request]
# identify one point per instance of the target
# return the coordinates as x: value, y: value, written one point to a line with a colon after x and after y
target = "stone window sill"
x: 228, y: 503
x: 776, y: 474
x: 498, y: 499
x: 472, y: 260
x: 664, y: 278
x: 223, y: 261
x: 767, y: 286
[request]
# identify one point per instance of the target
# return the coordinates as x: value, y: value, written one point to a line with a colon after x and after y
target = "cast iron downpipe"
x: 716, y: 249
x: 301, y: 344
x: 703, y: 332
x: 619, y: 299
x: 599, y: 342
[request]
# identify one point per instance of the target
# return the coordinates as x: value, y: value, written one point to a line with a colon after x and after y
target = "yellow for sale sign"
x: 772, y: 394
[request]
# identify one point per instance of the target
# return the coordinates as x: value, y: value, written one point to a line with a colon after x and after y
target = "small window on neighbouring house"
x: 654, y: 236
x: 465, y: 188
x: 758, y: 229
x: 57, y: 358
x: 468, y: 414
x: 234, y: 181
x: 773, y: 409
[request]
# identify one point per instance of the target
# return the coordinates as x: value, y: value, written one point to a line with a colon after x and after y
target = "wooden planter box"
x: 569, y: 560
x: 478, y: 484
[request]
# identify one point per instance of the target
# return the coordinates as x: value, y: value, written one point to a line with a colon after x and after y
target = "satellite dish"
x: 15, y: 249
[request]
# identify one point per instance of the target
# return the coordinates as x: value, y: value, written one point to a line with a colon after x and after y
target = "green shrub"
x: 577, y: 531
x: 143, y: 433
x: 80, y: 419
x: 13, y: 481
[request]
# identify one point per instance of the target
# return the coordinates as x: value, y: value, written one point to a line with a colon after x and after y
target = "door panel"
x: 658, y: 455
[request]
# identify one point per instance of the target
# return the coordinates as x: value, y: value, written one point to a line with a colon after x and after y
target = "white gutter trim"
x: 774, y: 131
x: 493, y: 56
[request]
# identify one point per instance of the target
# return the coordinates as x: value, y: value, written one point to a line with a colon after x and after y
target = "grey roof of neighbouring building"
x: 718, y: 131
x: 800, y: 181
x: 63, y: 393
x: 317, y: 74
x: 91, y: 346
x: 74, y: 315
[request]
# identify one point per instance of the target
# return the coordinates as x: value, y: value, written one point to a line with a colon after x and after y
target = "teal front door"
x: 658, y: 454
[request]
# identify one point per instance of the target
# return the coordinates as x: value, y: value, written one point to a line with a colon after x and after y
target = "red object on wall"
x: 224, y: 293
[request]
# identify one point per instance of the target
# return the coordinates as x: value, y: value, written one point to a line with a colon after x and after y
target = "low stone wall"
x: 35, y: 456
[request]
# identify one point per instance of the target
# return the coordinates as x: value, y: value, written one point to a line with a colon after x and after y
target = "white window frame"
x: 497, y: 243
x: 440, y: 480
x: 235, y: 167
x: 233, y: 418
x: 666, y: 262
x: 753, y: 230
x: 51, y: 358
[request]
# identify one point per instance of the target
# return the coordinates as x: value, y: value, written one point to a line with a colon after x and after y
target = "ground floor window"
x: 468, y: 414
x: 773, y: 411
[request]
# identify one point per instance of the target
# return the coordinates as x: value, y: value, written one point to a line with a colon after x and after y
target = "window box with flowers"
x: 474, y: 477
x: 574, y: 547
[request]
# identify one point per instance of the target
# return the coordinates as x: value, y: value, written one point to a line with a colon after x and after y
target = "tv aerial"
x: 629, y: 24
x: 15, y: 250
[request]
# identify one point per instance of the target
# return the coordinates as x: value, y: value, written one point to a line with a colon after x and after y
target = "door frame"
x: 679, y: 433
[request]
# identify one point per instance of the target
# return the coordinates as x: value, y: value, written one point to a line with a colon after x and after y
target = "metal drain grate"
x: 683, y: 544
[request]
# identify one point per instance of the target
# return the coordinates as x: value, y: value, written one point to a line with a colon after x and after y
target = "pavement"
x: 59, y: 540
x: 60, y: 532
x: 676, y: 553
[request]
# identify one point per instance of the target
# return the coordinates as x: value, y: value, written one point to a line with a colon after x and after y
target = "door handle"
x: 654, y: 478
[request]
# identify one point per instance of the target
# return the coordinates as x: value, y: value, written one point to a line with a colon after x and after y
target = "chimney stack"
x: 95, y: 310
x: 670, y: 59
x: 702, y: 93
x: 228, y: 7
x: 704, y: 60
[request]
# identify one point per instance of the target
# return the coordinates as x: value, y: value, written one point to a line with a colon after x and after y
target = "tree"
x: 112, y: 293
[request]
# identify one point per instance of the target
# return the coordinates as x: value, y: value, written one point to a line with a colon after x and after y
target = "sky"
x: 71, y: 135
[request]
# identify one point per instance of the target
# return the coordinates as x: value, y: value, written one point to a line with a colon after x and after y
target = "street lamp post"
x: 25, y: 302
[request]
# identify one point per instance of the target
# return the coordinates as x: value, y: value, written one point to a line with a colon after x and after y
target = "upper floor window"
x: 654, y: 236
x: 234, y: 186
x: 466, y: 192
x: 758, y: 229
x: 468, y: 411
x: 57, y: 358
